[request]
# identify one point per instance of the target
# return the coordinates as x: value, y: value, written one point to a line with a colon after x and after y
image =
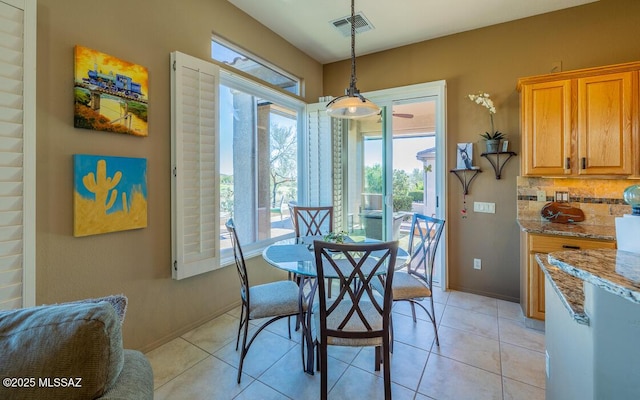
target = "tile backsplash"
x: 600, y: 199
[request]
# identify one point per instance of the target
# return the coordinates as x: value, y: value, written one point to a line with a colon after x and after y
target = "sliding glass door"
x: 395, y: 167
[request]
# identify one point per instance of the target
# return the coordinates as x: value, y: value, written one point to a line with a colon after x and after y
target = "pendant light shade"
x: 352, y: 105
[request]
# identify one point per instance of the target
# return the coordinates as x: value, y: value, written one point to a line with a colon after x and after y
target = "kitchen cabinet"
x: 581, y: 123
x: 533, y: 297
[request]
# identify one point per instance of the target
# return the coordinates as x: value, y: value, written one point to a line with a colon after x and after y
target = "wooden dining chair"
x: 313, y: 221
x: 414, y: 282
x: 275, y: 300
x: 358, y: 315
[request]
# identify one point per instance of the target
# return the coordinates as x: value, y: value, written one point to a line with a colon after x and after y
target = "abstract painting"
x: 110, y: 194
x: 110, y: 94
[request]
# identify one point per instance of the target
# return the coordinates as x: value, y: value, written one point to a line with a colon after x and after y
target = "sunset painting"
x: 110, y: 94
x: 110, y: 194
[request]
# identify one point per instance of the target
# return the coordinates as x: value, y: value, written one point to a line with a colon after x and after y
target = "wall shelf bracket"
x: 465, y: 177
x: 495, y: 161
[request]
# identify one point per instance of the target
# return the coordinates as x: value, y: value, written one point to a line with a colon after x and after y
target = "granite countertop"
x: 574, y: 230
x: 615, y: 271
x: 568, y: 288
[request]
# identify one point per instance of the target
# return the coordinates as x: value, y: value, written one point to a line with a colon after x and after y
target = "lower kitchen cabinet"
x: 532, y: 295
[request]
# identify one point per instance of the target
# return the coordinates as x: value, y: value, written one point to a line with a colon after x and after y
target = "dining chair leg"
x: 243, y: 353
x: 433, y: 320
x: 378, y: 358
x: 413, y: 311
x: 242, y: 322
x: 387, y: 367
x: 324, y: 380
x: 391, y: 333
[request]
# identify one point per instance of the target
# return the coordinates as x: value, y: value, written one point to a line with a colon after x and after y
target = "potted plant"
x: 336, y: 237
x: 493, y: 137
x: 492, y: 141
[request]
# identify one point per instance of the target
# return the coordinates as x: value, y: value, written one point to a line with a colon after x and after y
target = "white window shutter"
x: 195, y: 210
x: 17, y: 153
x: 319, y: 144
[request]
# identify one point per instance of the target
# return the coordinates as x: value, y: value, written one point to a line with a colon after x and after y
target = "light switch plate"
x: 482, y: 207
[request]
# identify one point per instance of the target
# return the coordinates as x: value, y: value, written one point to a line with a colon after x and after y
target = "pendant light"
x: 352, y: 105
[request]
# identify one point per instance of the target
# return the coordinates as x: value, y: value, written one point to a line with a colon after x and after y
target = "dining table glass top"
x: 296, y: 255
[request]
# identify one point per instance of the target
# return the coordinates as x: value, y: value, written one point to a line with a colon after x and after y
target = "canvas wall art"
x: 110, y: 194
x: 110, y: 94
x: 464, y: 156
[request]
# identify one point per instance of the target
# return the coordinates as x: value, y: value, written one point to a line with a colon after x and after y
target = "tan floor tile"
x: 258, y: 390
x: 515, y: 332
x: 419, y: 334
x: 404, y: 308
x: 469, y: 348
x: 173, y: 358
x: 407, y: 364
x: 478, y: 323
x: 214, y: 334
x: 523, y: 365
x: 514, y: 390
x: 510, y: 310
x: 473, y: 302
x: 446, y: 379
x: 266, y: 349
x: 209, y: 379
x: 358, y: 384
x: 287, y: 377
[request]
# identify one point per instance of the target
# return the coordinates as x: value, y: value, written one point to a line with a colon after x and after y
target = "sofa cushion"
x: 47, y: 343
x: 118, y: 301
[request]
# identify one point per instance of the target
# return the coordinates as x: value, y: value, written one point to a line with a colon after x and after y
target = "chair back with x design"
x: 359, y: 315
x: 423, y: 242
x: 312, y: 221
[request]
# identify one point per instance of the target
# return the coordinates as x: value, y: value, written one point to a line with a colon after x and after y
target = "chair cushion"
x: 355, y: 322
x: 273, y: 299
x: 61, y: 341
x: 406, y: 286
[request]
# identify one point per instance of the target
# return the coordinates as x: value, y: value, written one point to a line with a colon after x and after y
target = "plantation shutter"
x: 17, y: 153
x: 195, y: 219
x: 319, y: 167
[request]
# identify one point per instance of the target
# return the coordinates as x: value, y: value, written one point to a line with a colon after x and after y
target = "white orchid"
x: 484, y: 100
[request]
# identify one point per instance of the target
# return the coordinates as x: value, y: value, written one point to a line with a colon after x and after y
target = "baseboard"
x: 486, y: 294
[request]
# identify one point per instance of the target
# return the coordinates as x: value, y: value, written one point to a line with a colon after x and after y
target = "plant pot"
x: 492, y: 146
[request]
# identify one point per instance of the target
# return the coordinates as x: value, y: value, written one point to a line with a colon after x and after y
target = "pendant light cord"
x: 352, y: 86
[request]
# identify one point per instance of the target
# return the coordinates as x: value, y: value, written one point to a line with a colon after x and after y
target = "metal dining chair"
x: 275, y: 300
x: 358, y: 315
x: 414, y: 282
x: 313, y: 221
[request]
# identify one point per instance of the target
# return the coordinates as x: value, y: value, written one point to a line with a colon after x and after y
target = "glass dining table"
x: 296, y: 256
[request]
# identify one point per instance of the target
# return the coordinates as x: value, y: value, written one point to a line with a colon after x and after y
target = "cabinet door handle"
x: 584, y: 162
x: 568, y: 246
x: 567, y: 164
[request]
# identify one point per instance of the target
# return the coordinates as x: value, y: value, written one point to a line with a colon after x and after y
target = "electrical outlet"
x: 477, y: 263
x: 542, y: 195
x: 562, y: 196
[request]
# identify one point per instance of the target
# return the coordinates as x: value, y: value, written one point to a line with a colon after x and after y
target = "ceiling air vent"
x: 343, y: 25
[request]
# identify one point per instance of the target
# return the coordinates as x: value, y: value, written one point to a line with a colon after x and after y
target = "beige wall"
x: 491, y: 60
x: 136, y: 263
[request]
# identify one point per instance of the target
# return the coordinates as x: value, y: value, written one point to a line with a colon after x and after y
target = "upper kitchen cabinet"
x: 581, y: 122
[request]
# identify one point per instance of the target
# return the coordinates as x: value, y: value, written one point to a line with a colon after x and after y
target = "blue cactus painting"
x: 110, y: 194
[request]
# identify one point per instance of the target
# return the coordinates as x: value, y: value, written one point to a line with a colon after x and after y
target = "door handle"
x: 584, y: 162
x: 568, y: 246
x: 567, y: 164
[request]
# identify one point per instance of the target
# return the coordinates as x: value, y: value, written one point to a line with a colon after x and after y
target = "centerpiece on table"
x: 336, y: 237
x: 493, y: 137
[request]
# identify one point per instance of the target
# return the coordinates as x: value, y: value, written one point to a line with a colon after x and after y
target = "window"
x: 230, y: 55
x: 258, y: 160
x: 236, y: 153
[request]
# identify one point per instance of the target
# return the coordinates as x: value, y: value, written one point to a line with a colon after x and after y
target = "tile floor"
x: 485, y: 352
